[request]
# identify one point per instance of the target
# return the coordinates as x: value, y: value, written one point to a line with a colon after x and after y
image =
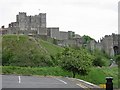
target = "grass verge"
x: 96, y: 75
x: 45, y: 71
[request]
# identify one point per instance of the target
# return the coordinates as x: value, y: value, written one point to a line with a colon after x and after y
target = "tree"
x: 77, y: 61
x: 87, y: 39
x: 98, y: 61
x: 100, y: 58
x: 117, y: 59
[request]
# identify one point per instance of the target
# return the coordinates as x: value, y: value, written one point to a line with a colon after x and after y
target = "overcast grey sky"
x: 95, y: 18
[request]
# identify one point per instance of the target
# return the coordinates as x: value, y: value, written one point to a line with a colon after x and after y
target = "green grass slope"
x: 27, y: 51
x: 98, y: 75
x: 51, y: 48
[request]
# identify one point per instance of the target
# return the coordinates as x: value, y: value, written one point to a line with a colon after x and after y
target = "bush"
x: 117, y: 59
x: 100, y: 58
x: 98, y: 61
x: 76, y: 61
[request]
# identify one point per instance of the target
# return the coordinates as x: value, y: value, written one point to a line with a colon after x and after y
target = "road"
x: 14, y: 81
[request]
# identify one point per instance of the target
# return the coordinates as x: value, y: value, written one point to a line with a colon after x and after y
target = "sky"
x: 95, y: 18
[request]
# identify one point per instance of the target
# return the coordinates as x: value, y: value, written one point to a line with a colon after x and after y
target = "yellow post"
x: 102, y: 85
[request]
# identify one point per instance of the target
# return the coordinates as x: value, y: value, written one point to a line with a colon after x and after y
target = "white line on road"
x: 19, y: 79
x: 61, y: 81
x: 81, y: 86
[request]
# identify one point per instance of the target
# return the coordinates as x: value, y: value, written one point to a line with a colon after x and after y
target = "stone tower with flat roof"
x: 29, y: 24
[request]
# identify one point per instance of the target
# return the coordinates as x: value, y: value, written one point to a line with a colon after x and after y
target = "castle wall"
x: 98, y: 46
x: 70, y: 42
x: 71, y: 34
x: 53, y: 32
x: 92, y: 45
x: 36, y: 25
x: 107, y: 44
x: 42, y: 31
x: 63, y: 35
x: 77, y: 36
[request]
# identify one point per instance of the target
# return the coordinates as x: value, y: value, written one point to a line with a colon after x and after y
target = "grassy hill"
x: 35, y: 53
x: 27, y: 51
x: 51, y: 48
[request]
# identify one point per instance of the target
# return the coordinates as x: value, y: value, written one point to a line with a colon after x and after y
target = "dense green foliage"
x: 98, y: 61
x: 86, y: 39
x: 100, y: 58
x: 78, y: 61
x: 117, y: 59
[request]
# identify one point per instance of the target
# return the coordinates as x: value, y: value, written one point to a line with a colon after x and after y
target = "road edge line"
x: 91, y: 84
x: 61, y: 80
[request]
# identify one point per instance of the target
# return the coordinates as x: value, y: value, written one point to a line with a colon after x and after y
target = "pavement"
x: 14, y: 81
x: 113, y: 64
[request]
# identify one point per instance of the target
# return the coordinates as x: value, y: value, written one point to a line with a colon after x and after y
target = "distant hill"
x: 23, y: 50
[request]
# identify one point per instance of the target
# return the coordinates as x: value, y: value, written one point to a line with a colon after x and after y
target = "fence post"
x: 109, y: 84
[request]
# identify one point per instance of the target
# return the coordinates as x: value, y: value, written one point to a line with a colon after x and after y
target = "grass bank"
x: 96, y: 75
x: 44, y: 71
x: 51, y: 48
x: 23, y: 51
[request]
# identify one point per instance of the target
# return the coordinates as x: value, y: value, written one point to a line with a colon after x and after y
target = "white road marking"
x: 81, y: 86
x: 61, y: 80
x: 87, y: 83
x: 19, y: 79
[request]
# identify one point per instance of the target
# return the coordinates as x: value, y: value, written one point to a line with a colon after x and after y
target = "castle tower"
x: 42, y: 30
x: 21, y: 19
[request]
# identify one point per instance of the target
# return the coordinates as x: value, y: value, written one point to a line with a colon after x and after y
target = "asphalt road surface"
x: 13, y: 81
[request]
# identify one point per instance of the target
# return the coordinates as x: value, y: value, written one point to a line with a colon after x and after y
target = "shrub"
x: 117, y: 59
x: 98, y: 61
x: 76, y: 61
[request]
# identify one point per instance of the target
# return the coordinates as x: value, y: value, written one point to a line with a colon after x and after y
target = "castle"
x: 29, y: 24
x: 110, y: 44
x: 36, y: 26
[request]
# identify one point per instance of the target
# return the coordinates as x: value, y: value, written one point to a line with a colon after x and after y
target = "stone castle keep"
x: 29, y: 24
x: 36, y: 26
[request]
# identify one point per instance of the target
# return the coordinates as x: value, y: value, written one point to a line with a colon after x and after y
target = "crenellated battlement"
x: 22, y: 12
